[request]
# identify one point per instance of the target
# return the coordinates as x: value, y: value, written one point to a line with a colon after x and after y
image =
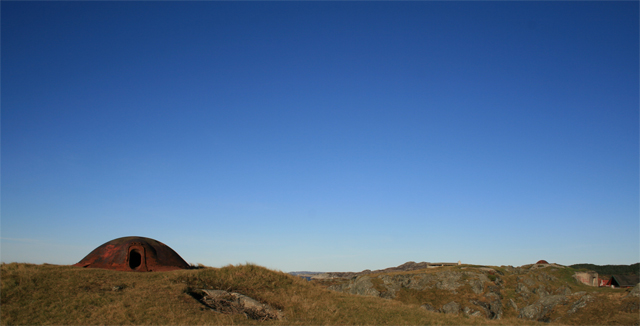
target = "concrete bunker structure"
x: 134, y: 254
x: 589, y: 277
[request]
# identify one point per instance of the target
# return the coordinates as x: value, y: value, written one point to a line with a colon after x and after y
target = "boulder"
x: 477, y: 286
x: 364, y: 286
x: 471, y: 313
x: 541, y: 291
x: 232, y: 303
x: 429, y: 307
x: 492, y: 309
x: 581, y: 303
x: 451, y: 308
x: 522, y: 289
x: 541, y: 308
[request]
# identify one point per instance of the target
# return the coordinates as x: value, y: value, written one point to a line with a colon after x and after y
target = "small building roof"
x: 628, y: 280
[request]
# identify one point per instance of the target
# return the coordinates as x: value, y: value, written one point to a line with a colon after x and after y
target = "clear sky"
x: 322, y: 136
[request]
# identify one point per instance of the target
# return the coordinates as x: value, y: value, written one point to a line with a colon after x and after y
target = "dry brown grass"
x: 66, y: 295
x: 605, y: 309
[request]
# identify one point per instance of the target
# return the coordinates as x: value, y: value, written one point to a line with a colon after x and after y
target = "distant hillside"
x: 304, y: 273
x: 610, y: 269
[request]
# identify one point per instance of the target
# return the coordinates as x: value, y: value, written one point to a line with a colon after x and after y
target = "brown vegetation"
x: 57, y: 295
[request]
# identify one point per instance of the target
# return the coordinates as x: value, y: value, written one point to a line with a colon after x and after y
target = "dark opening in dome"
x: 134, y: 259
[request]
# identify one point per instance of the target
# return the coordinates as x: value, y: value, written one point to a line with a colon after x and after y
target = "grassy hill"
x: 57, y: 295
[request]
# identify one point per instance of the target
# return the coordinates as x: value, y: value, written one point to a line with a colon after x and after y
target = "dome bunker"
x: 134, y: 254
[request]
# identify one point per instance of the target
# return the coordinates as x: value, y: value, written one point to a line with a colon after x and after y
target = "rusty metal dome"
x: 134, y: 254
x: 542, y: 262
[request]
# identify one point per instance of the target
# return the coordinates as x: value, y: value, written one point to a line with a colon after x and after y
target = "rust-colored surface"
x: 542, y: 262
x: 134, y: 254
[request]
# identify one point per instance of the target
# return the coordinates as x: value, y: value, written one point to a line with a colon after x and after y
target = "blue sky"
x: 326, y: 136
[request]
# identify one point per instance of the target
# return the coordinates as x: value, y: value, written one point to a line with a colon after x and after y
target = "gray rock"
x: 477, y: 286
x: 492, y: 296
x: 232, y: 303
x: 475, y: 313
x: 581, y: 303
x: 492, y: 309
x: 513, y: 304
x: 563, y: 290
x: 429, y: 307
x: 340, y: 287
x: 526, y: 281
x: 471, y: 313
x: 542, y: 307
x: 363, y: 286
x: 420, y: 282
x: 531, y: 312
x: 541, y: 291
x: 393, y: 283
x: 635, y: 292
x: 448, y: 280
x: 495, y: 309
x: 360, y: 285
x: 522, y: 289
x: 544, y: 277
x: 451, y: 308
x: 493, y: 289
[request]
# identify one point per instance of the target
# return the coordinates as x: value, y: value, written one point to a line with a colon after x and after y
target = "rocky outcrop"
x: 360, y: 285
x: 391, y: 284
x: 523, y: 290
x: 538, y: 291
x: 236, y: 303
x: 448, y: 280
x: 563, y: 290
x: 541, y: 291
x: 526, y: 281
x: 581, y: 303
x: 477, y: 286
x: 635, y: 292
x: 540, y: 309
x: 492, y: 305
